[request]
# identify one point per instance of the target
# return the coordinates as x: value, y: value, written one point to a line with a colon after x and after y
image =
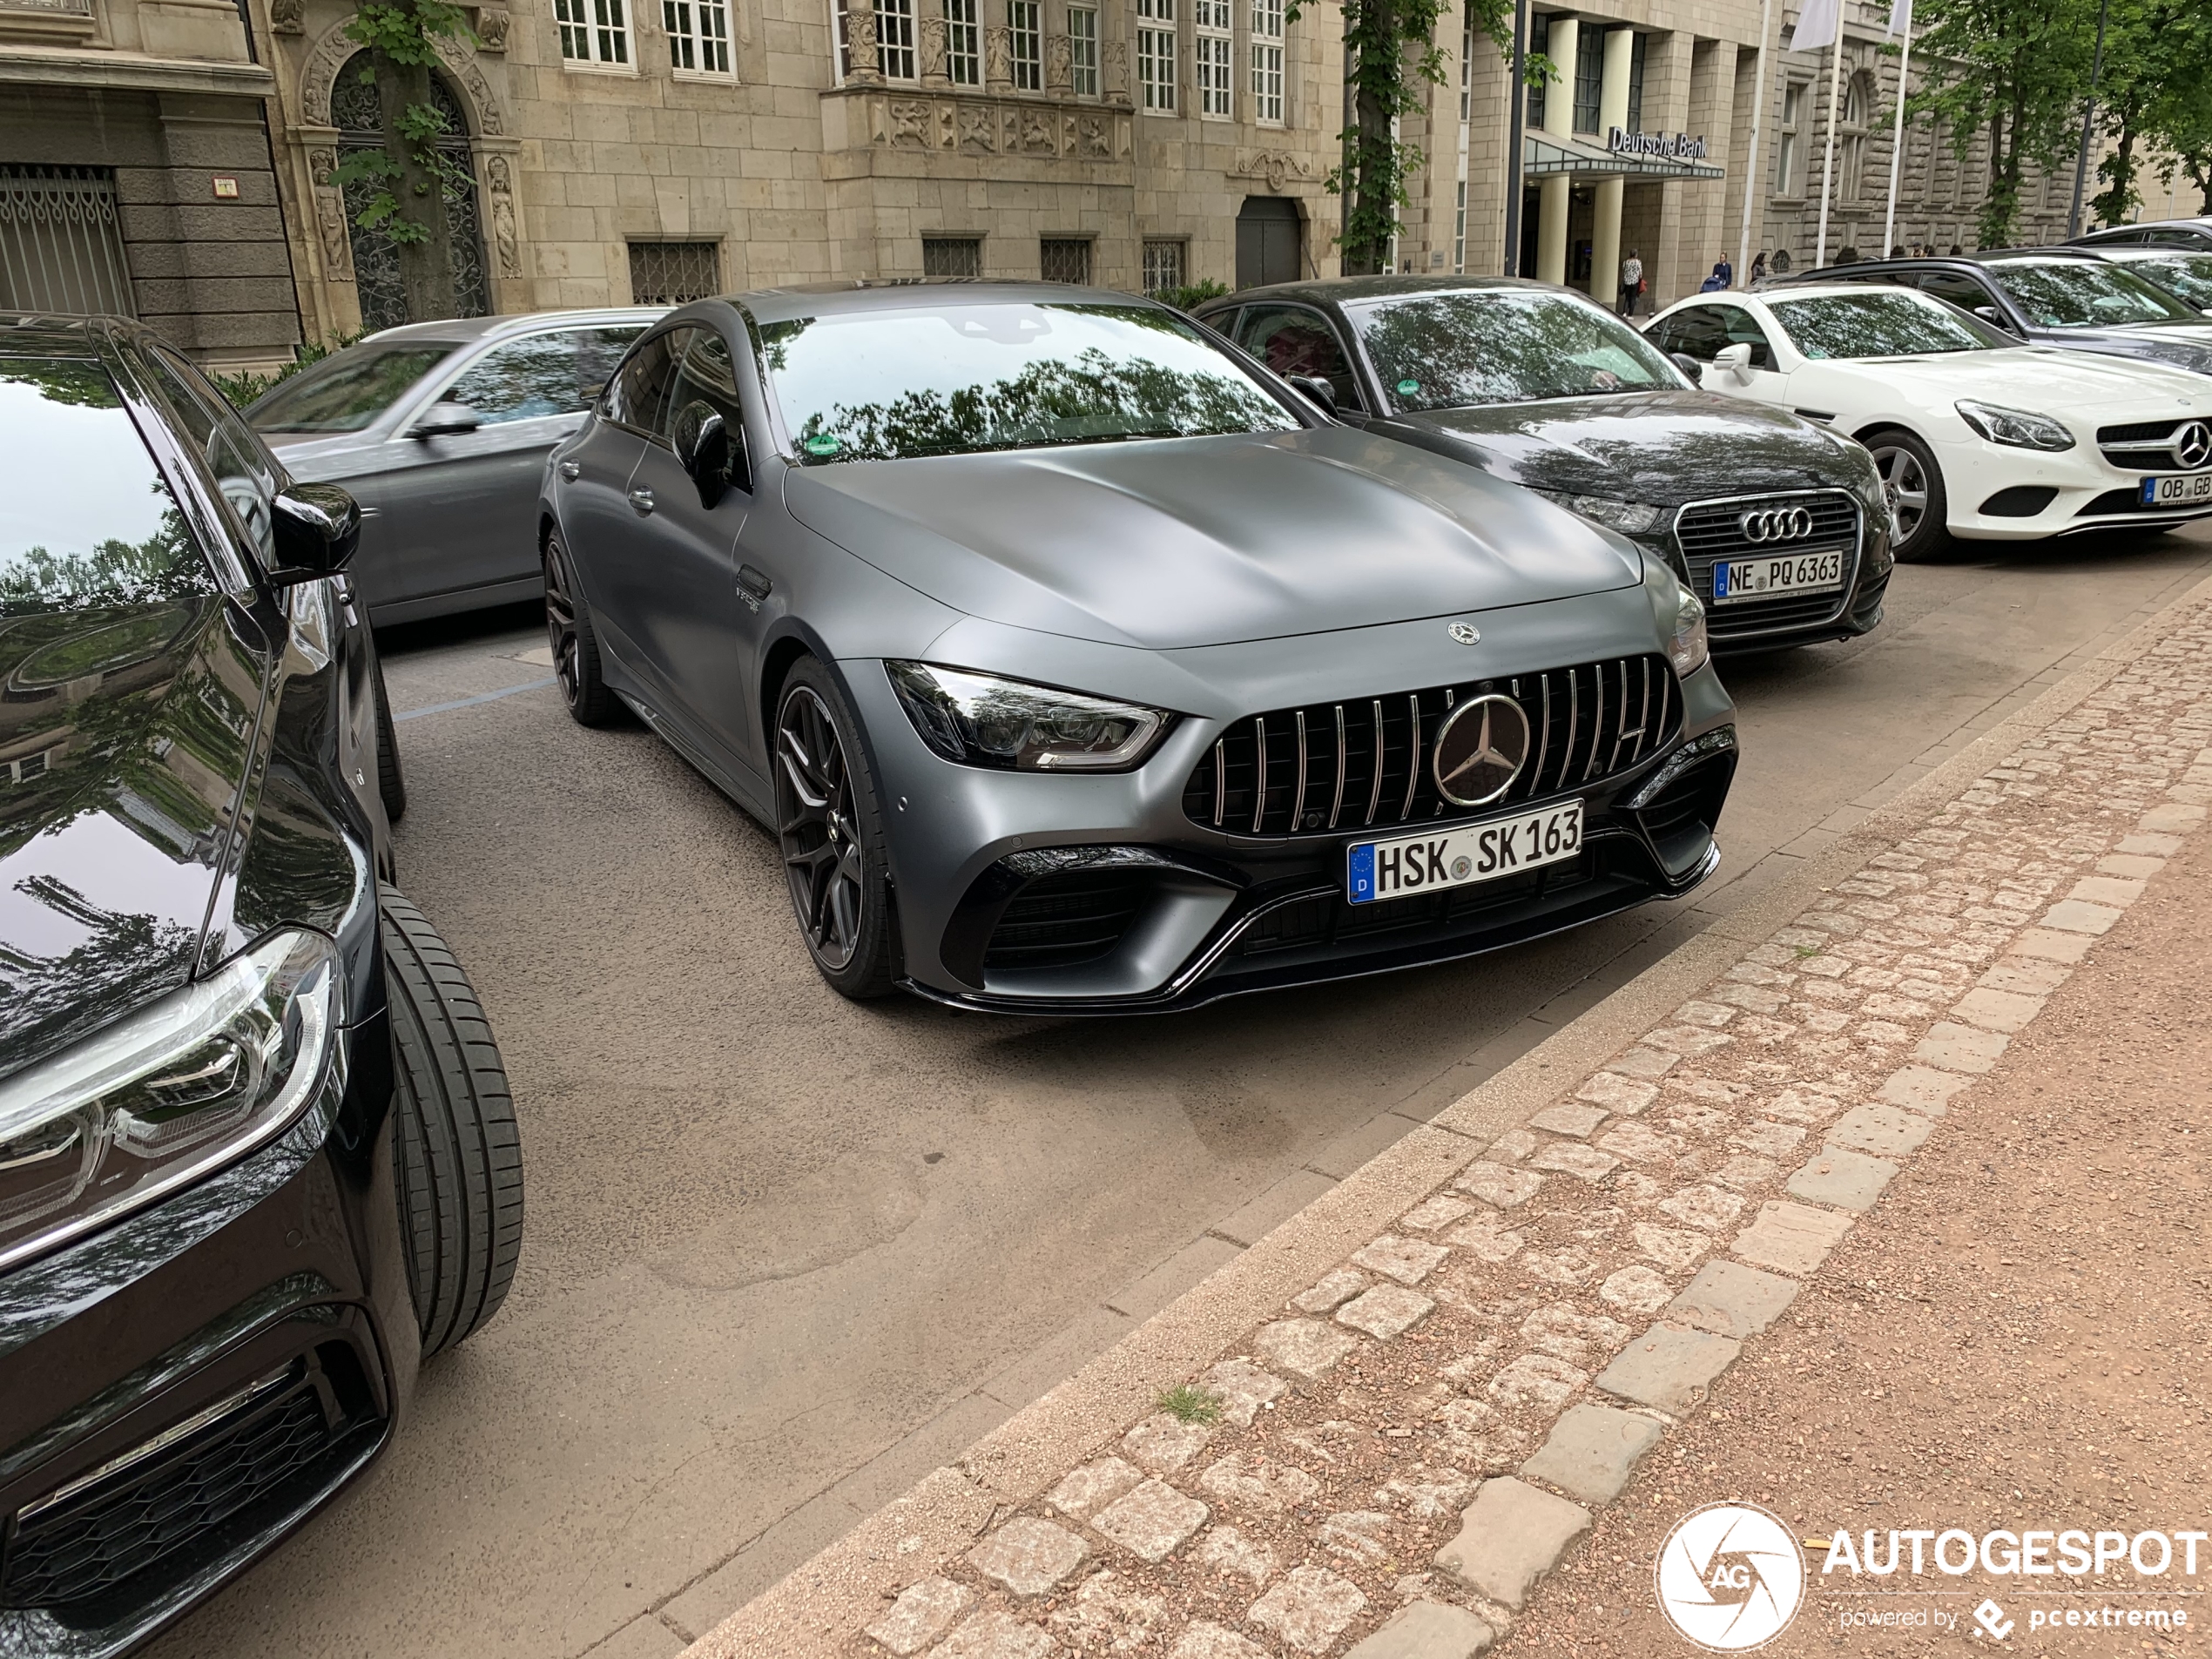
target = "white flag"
x: 1900, y: 18
x: 1817, y: 26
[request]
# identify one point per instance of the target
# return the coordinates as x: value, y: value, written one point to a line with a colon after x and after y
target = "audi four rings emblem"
x: 2192, y: 444
x: 1776, y: 523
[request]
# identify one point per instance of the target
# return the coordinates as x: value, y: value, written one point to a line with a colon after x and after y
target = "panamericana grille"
x: 81, y: 1545
x: 1366, y: 763
x: 2139, y: 446
x: 1711, y: 532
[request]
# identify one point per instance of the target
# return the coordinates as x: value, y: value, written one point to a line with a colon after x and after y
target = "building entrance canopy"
x: 1632, y: 155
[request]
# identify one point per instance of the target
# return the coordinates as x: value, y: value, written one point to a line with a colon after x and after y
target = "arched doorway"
x: 1271, y: 238
x: 358, y: 113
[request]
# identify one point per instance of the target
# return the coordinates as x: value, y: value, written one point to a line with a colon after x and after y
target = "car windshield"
x: 1446, y: 351
x: 1879, y: 324
x: 345, y: 391
x: 2188, y: 275
x: 953, y: 380
x: 2085, y: 293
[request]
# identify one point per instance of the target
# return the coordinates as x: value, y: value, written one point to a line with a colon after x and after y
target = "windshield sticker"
x: 823, y: 443
x: 1407, y: 387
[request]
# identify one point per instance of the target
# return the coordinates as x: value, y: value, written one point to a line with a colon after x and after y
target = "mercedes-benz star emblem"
x: 1776, y: 523
x: 2193, y: 445
x: 1464, y: 632
x: 1480, y: 751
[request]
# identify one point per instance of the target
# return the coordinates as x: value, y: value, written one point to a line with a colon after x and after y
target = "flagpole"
x: 1751, y: 150
x: 1896, y: 144
x: 1828, y: 161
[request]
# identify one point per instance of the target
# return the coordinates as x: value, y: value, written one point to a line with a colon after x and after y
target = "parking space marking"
x: 467, y: 702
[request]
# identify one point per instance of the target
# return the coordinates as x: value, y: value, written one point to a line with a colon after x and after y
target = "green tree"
x: 409, y: 176
x: 2016, y: 70
x: 2153, y: 88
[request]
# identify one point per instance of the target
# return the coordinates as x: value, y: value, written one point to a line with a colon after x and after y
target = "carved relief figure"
x: 976, y: 124
x: 284, y: 17
x: 909, y: 125
x: 860, y: 29
x: 491, y: 30
x: 1091, y: 138
x: 934, y: 72
x: 1114, y: 55
x: 330, y: 218
x: 1059, y: 67
x: 1036, y: 134
x: 506, y: 242
x: 998, y: 58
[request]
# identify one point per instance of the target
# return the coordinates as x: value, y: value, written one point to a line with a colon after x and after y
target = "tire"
x: 456, y: 1156
x: 391, y: 782
x: 1902, y: 459
x: 830, y: 826
x: 576, y: 646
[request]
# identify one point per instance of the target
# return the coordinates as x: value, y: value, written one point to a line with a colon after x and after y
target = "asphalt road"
x: 786, y: 1254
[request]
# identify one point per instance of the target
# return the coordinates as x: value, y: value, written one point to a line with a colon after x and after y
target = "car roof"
x: 30, y: 334
x: 1337, y: 290
x: 1796, y: 291
x: 2108, y: 232
x: 1933, y: 262
x: 793, y: 301
x: 467, y: 330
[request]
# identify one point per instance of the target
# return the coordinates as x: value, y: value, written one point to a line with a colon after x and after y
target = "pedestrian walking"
x: 1724, y: 271
x: 1758, y: 269
x: 1631, y: 282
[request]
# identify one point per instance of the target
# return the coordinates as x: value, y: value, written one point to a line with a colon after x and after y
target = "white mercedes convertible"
x: 1976, y: 436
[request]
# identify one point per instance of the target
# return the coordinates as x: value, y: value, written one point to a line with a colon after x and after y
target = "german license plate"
x: 1762, y: 579
x: 1464, y: 855
x: 2177, y: 489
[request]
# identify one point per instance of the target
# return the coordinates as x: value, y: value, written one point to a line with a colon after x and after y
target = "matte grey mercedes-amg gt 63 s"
x: 1081, y: 665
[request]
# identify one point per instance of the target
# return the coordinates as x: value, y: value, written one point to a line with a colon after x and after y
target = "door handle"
x: 570, y: 471
x: 642, y: 500
x: 752, y: 586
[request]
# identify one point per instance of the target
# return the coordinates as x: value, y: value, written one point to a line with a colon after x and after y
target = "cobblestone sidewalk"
x: 1390, y: 1466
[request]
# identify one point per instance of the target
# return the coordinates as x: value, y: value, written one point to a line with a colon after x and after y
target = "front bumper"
x: 2001, y: 494
x: 1060, y: 894
x: 181, y: 1390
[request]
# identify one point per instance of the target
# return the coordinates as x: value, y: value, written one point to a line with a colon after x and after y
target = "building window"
x: 1064, y: 258
x: 1589, y: 75
x: 895, y: 39
x: 1267, y: 61
x: 1460, y: 230
x: 1540, y: 42
x: 1787, y: 148
x: 595, y: 34
x: 1636, y: 45
x: 699, y: 36
x: 1082, y: 51
x: 839, y: 27
x: 670, y: 273
x: 1025, y: 35
x: 1466, y: 70
x: 1214, y: 49
x: 1163, y: 267
x: 1851, y: 141
x: 963, y: 43
x: 1155, y: 53
x: 952, y: 256
x: 61, y: 244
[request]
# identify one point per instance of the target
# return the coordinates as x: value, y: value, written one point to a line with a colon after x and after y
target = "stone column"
x: 1605, y: 228
x: 1557, y: 189
x: 867, y: 69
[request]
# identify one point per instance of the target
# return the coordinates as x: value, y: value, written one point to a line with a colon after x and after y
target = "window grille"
x: 670, y: 274
x: 699, y: 36
x: 963, y: 43
x: 1082, y: 51
x: 1163, y: 267
x: 1267, y: 61
x: 1063, y: 258
x: 952, y: 256
x: 61, y: 242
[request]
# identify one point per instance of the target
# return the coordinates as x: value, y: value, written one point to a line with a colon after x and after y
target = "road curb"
x: 815, y: 1608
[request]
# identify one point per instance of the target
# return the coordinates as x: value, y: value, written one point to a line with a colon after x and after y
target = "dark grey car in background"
x: 1081, y: 666
x: 1778, y: 525
x: 440, y: 431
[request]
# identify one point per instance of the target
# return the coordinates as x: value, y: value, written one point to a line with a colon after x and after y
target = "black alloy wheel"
x: 1918, y: 501
x: 576, y: 646
x: 831, y: 835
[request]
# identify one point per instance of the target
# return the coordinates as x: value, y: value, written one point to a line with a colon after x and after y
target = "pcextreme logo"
x: 1731, y: 1577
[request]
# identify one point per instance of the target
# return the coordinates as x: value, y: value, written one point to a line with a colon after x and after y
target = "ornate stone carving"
x: 910, y: 123
x: 998, y: 59
x: 330, y: 218
x: 492, y: 25
x: 1094, y: 140
x: 866, y: 68
x: 1277, y: 167
x: 934, y: 72
x: 506, y: 240
x: 978, y: 129
x: 332, y: 51
x: 1114, y: 55
x: 1059, y: 64
x: 1037, y: 137
x: 284, y: 17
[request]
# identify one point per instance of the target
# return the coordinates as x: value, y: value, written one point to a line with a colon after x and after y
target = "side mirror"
x: 1320, y: 388
x: 1689, y: 366
x: 1993, y: 317
x: 313, y: 530
x: 446, y: 420
x: 709, y: 451
x: 1734, y: 361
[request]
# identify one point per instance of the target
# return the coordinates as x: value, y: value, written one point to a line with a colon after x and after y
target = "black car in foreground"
x: 257, y: 1155
x: 1776, y: 523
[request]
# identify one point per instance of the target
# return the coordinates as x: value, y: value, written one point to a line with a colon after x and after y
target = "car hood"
x: 1180, y: 542
x: 2185, y: 345
x: 2041, y: 379
x: 107, y: 850
x: 1665, y: 447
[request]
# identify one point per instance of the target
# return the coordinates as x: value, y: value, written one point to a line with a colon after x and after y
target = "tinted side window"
x: 1294, y: 341
x: 241, y: 468
x: 86, y: 520
x: 639, y: 396
x: 1741, y: 328
x: 1961, y: 291
x: 1696, y: 332
x: 708, y: 375
x: 524, y: 380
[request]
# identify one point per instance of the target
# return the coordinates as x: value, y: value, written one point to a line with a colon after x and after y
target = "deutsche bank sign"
x: 1666, y: 146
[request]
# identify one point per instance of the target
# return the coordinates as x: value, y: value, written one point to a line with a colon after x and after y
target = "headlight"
x: 1629, y: 517
x: 2017, y: 428
x: 1680, y: 617
x: 166, y: 1094
x: 982, y: 720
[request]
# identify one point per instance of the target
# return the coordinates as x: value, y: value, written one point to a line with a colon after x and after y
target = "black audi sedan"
x: 257, y: 1154
x: 1776, y: 524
